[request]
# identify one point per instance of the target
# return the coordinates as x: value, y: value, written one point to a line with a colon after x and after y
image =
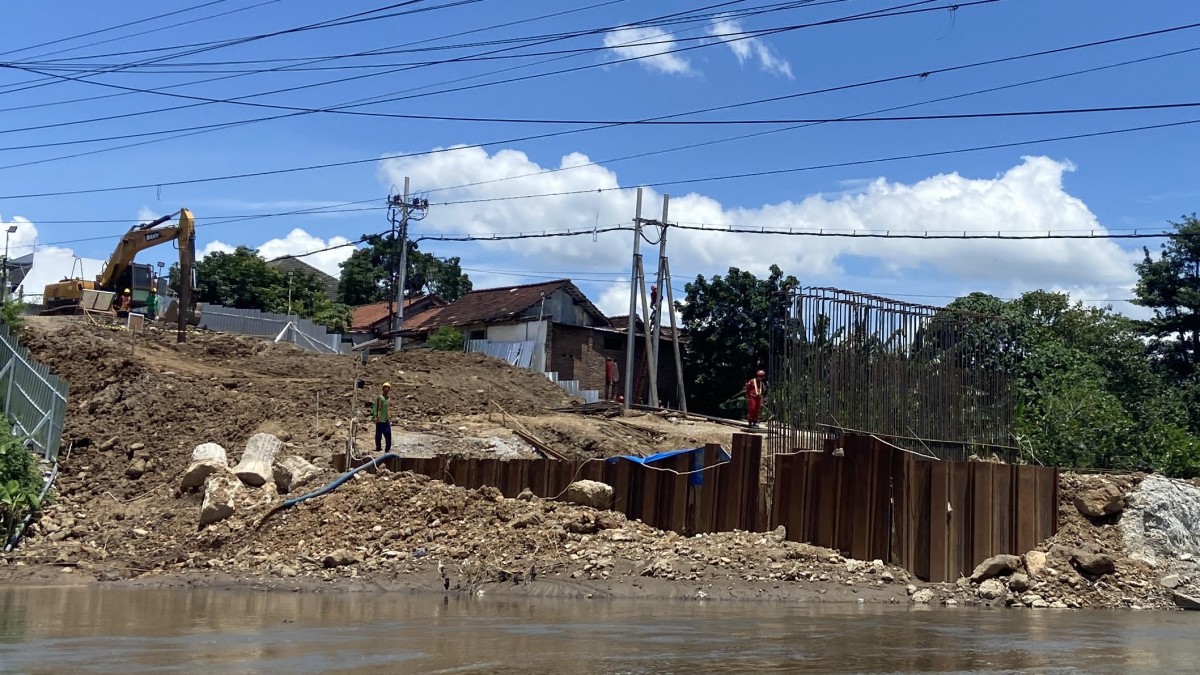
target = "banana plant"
x: 15, y: 500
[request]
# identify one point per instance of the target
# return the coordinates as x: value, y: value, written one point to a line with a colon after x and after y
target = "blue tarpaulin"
x: 697, y: 459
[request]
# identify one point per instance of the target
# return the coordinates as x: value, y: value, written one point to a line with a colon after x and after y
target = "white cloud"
x: 631, y: 42
x: 1028, y: 198
x: 215, y: 246
x: 299, y: 241
x: 729, y: 31
x: 146, y: 214
x: 51, y: 264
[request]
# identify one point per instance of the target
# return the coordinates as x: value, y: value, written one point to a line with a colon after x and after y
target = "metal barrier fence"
x: 35, y: 400
x: 283, y: 328
x: 933, y: 377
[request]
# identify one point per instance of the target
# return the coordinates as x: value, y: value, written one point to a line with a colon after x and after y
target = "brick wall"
x: 578, y: 353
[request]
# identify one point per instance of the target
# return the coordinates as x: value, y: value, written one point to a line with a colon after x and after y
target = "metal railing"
x: 936, y: 378
x: 280, y: 327
x: 35, y: 400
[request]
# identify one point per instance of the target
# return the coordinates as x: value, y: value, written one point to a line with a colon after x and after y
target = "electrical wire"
x: 112, y: 28
x: 758, y: 134
x: 833, y: 165
x: 388, y: 98
x: 328, y: 165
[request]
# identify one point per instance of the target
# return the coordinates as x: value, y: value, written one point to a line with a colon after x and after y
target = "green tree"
x: 1170, y: 285
x: 367, y: 276
x: 729, y: 321
x: 446, y: 339
x: 242, y: 279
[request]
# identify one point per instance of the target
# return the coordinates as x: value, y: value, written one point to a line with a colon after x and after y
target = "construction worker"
x: 152, y: 303
x: 612, y: 377
x: 754, y: 397
x: 124, y: 303
x: 383, y: 423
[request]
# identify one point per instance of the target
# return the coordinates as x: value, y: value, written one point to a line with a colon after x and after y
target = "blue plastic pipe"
x: 337, y: 483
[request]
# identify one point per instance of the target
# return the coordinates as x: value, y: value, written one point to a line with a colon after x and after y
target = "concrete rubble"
x: 256, y: 467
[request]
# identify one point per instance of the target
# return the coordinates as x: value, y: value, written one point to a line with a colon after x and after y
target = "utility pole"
x: 291, y: 273
x: 630, y: 343
x: 409, y: 209
x: 656, y: 311
x: 402, y: 272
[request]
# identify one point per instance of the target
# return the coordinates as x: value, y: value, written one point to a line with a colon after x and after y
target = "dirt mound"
x: 156, y: 400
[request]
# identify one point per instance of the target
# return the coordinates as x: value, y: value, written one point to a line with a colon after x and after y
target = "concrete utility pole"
x: 656, y: 310
x: 630, y: 343
x: 402, y: 273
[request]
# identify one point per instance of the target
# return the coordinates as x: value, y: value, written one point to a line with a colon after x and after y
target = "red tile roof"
x: 366, y: 316
x: 492, y: 305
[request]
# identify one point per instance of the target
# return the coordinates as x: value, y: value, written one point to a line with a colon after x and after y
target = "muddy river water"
x: 86, y: 630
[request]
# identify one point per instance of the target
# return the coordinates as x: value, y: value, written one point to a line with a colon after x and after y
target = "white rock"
x: 220, y: 498
x: 590, y: 493
x: 923, y: 596
x: 291, y: 472
x: 255, y: 469
x: 199, y: 472
x: 210, y: 452
x: 992, y: 589
x: 1159, y: 520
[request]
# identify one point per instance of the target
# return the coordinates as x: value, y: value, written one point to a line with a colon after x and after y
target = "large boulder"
x: 997, y: 565
x: 1035, y: 563
x: 992, y: 589
x: 220, y: 498
x: 590, y: 493
x: 291, y: 472
x: 1159, y: 522
x: 210, y: 452
x: 1095, y: 564
x: 199, y: 472
x: 1101, y: 501
x: 255, y: 469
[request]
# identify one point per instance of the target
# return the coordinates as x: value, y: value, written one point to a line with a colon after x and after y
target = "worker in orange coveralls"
x: 754, y: 397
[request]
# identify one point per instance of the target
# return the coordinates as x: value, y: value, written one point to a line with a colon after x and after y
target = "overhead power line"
x: 923, y: 74
x: 347, y: 109
x: 832, y: 165
x: 112, y: 28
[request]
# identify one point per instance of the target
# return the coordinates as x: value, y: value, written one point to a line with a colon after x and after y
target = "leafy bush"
x: 20, y: 481
x: 12, y: 314
x: 446, y: 339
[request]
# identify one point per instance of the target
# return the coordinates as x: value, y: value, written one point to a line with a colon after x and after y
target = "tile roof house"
x: 289, y: 263
x: 369, y: 322
x: 556, y: 327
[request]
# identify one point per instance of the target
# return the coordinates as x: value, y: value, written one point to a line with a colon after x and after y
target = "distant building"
x: 555, y: 328
x: 289, y: 263
x: 374, y: 321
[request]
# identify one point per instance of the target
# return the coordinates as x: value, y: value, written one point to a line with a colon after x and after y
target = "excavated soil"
x: 136, y: 412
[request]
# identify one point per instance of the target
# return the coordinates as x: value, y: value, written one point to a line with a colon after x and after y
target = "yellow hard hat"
x: 126, y: 290
x: 387, y: 385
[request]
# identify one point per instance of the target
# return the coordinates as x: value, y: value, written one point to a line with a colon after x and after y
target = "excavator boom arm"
x: 142, y: 237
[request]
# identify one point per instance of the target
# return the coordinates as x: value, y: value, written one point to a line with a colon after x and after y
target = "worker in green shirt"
x: 383, y: 423
x: 152, y: 303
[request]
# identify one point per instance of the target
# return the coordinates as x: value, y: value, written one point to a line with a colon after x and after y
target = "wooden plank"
x: 939, y: 521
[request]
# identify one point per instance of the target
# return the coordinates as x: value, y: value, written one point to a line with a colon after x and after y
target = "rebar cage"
x: 932, y: 379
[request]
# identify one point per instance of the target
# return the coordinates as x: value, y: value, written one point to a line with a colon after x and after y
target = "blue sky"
x: 1136, y: 180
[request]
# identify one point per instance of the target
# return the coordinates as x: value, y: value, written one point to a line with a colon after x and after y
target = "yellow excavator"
x: 120, y: 272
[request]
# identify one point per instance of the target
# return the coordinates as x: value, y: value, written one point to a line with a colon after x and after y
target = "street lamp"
x: 11, y: 229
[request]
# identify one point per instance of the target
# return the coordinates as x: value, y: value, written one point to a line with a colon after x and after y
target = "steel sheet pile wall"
x: 847, y: 361
x: 689, y: 493
x: 937, y: 519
